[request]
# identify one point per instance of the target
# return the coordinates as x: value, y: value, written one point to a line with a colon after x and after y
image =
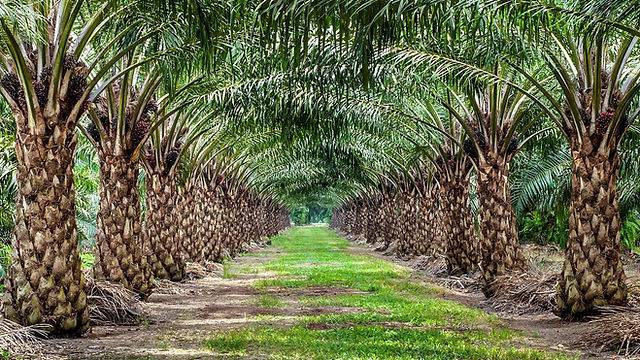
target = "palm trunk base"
x: 119, y: 247
x: 161, y: 238
x: 592, y: 274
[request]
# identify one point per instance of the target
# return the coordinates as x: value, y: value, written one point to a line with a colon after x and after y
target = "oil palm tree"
x: 121, y: 120
x: 594, y: 123
x: 493, y: 118
x: 47, y: 84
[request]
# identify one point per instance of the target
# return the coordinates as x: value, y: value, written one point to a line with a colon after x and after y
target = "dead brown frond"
x: 634, y: 292
x: 167, y: 287
x: 113, y: 304
x: 195, y: 271
x: 391, y: 250
x: 431, y: 265
x: 524, y: 293
x: 619, y: 332
x: 214, y: 268
x: 22, y: 341
x: 436, y: 268
x: 467, y: 283
x: 380, y: 246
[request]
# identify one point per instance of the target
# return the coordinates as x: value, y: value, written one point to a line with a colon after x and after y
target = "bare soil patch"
x: 181, y: 316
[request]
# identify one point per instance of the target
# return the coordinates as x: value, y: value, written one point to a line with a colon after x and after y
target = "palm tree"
x: 119, y: 137
x: 160, y: 161
x: 594, y: 123
x: 452, y: 168
x: 492, y: 119
x: 47, y: 87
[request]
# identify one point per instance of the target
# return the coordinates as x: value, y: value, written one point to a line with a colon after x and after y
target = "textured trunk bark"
x: 45, y: 282
x: 391, y: 221
x: 188, y: 212
x: 119, y: 247
x: 592, y: 274
x: 499, y: 250
x: 425, y: 239
x: 200, y: 215
x: 440, y: 241
x: 458, y: 226
x: 210, y: 231
x: 224, y: 243
x: 407, y: 222
x: 160, y: 236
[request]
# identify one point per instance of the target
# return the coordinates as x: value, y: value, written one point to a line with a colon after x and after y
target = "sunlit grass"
x: 268, y: 301
x: 384, y: 314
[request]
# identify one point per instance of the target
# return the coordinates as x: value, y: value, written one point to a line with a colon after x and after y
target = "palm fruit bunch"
x: 513, y: 145
x: 101, y: 109
x: 139, y: 132
x: 150, y: 156
x: 603, y: 121
x: 143, y: 125
x: 41, y: 81
x: 42, y: 86
x: 171, y: 158
x: 11, y: 84
x: 219, y: 180
x: 470, y: 148
x: 77, y: 83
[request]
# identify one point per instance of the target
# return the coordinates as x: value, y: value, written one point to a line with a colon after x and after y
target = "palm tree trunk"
x: 119, y: 247
x: 499, y: 250
x: 161, y: 238
x: 188, y: 224
x: 438, y: 242
x: 224, y: 244
x: 407, y: 225
x: 458, y: 226
x: 425, y: 240
x: 200, y: 219
x: 592, y: 274
x: 45, y: 282
x: 209, y: 232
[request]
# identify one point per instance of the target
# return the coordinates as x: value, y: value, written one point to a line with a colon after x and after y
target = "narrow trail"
x: 311, y: 295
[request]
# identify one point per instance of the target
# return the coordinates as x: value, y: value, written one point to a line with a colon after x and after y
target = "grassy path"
x: 357, y: 307
x: 311, y: 295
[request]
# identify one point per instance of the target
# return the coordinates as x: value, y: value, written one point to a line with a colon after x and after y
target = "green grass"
x: 268, y: 301
x: 384, y: 314
x: 226, y: 270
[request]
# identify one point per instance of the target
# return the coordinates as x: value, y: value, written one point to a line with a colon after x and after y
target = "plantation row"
x: 419, y: 216
x: 207, y: 219
x: 204, y: 121
x: 107, y: 70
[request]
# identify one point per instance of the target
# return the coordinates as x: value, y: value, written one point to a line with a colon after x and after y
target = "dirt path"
x: 180, y: 320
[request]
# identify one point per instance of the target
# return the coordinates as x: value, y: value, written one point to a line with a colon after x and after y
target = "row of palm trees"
x: 340, y: 97
x: 479, y: 94
x: 122, y: 74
